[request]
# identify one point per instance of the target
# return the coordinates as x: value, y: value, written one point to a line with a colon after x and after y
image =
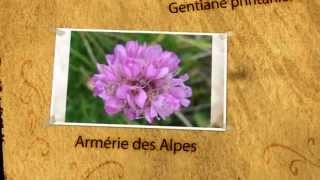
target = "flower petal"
x: 150, y: 114
x: 178, y: 92
x: 150, y: 71
x: 113, y: 105
x: 132, y: 48
x: 110, y: 59
x: 130, y: 101
x: 120, y: 53
x: 165, y: 105
x: 152, y: 53
x: 162, y: 73
x: 188, y: 91
x: 140, y: 98
x: 184, y: 77
x: 185, y: 102
x: 131, y: 69
x: 127, y: 72
x: 122, y: 91
x: 170, y: 60
x: 130, y: 113
x: 100, y: 67
x: 108, y: 74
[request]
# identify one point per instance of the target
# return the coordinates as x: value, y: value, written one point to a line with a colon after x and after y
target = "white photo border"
x: 61, y: 69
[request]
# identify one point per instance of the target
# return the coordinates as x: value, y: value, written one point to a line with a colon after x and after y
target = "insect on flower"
x: 141, y: 81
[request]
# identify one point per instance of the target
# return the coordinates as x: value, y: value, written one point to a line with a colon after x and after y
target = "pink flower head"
x: 140, y: 81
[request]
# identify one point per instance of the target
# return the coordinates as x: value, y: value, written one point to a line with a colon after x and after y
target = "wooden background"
x: 273, y: 94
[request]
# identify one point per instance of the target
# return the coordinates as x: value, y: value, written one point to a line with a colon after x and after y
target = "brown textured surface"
x: 273, y: 94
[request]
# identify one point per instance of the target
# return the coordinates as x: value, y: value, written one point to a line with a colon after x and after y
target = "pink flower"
x: 140, y: 81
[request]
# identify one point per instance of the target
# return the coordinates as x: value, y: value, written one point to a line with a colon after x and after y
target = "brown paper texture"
x: 273, y: 94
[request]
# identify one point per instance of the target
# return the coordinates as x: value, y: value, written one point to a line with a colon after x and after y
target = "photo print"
x: 143, y: 79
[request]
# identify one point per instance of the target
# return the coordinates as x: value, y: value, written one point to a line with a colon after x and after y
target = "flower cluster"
x: 140, y: 81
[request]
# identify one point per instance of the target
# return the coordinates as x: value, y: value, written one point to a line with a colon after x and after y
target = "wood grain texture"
x: 273, y: 94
